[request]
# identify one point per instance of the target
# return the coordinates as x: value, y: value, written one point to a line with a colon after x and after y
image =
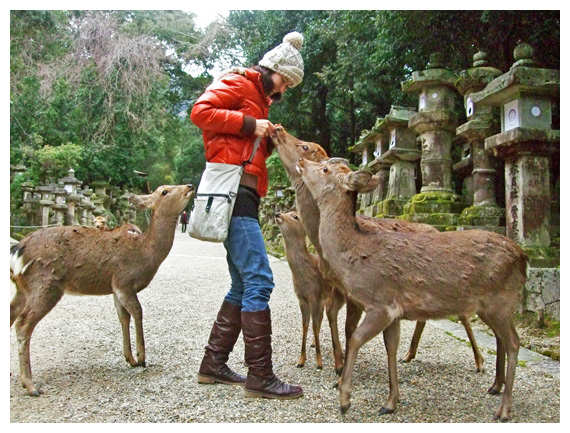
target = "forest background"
x: 108, y: 92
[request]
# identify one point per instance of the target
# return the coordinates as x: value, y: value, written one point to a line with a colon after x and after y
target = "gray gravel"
x: 77, y: 358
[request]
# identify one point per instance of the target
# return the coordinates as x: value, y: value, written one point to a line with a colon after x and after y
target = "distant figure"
x: 184, y: 221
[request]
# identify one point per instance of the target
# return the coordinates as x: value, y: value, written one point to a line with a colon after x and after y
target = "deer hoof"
x: 384, y: 410
x: 319, y: 367
x: 338, y: 371
x: 344, y: 409
x: 299, y: 365
x: 493, y: 391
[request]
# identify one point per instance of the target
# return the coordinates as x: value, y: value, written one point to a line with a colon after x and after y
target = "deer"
x: 415, y: 276
x: 313, y: 291
x: 290, y: 150
x: 79, y: 260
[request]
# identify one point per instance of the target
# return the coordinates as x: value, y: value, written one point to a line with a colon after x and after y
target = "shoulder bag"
x: 214, y: 201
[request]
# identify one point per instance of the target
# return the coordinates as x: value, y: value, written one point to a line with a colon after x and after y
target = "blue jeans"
x: 252, y: 278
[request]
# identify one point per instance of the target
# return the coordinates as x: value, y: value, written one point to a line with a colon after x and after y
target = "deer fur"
x: 314, y: 292
x: 86, y: 261
x: 291, y: 149
x: 415, y: 276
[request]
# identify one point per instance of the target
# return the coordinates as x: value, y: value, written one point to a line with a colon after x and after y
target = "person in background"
x: 184, y: 221
x: 231, y: 113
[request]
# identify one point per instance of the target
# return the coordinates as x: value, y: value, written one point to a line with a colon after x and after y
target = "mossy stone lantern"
x: 402, y: 156
x: 527, y: 144
x: 482, y: 122
x: 435, y: 124
x: 371, y: 144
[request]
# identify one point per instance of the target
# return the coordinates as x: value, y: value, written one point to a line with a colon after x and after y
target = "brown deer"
x: 291, y: 149
x: 415, y: 276
x: 313, y: 291
x: 88, y: 261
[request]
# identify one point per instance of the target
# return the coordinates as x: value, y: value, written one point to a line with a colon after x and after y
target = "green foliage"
x: 57, y: 160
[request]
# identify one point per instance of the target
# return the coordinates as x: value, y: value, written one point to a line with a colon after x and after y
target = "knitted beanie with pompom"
x: 286, y: 60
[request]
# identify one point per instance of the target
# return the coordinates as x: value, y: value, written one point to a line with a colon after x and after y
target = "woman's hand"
x: 263, y: 127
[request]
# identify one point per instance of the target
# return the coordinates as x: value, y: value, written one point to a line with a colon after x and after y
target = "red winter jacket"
x: 226, y: 114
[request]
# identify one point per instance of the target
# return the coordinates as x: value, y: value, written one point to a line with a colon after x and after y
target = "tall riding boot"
x: 225, y: 332
x: 261, y: 382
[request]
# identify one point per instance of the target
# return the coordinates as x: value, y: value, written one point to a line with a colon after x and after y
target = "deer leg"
x: 35, y: 310
x: 17, y: 305
x: 317, y: 316
x: 133, y: 306
x: 374, y: 322
x: 353, y: 315
x: 125, y: 320
x: 305, y: 317
x: 391, y: 342
x: 332, y: 316
x: 499, y: 367
x: 476, y: 353
x: 507, y: 340
x: 420, y: 325
x: 512, y: 344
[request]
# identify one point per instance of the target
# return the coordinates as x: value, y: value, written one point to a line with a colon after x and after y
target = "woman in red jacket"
x: 231, y: 113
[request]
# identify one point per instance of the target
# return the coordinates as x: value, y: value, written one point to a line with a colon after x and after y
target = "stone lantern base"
x: 439, y: 209
x: 489, y: 218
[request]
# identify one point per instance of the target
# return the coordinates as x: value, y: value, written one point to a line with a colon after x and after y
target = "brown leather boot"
x: 261, y: 382
x: 225, y: 332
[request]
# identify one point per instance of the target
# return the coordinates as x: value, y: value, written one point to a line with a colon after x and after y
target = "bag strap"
x: 255, y: 147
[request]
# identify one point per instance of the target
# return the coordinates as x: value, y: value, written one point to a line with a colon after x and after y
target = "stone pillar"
x: 526, y: 143
x: 435, y: 123
x: 484, y: 212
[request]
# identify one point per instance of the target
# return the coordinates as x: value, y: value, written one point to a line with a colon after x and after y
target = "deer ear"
x: 361, y: 181
x: 140, y: 201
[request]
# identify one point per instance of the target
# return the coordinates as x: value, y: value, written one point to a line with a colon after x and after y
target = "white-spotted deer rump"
x: 291, y: 149
x: 88, y: 261
x: 415, y: 276
x: 314, y: 292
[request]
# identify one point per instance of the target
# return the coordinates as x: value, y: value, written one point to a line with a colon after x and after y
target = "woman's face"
x: 279, y: 86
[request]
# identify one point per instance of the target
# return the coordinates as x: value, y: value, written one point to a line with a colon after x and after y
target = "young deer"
x: 88, y: 261
x: 290, y: 151
x: 313, y: 291
x: 415, y: 276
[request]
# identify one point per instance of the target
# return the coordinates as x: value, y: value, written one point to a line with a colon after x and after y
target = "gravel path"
x: 77, y: 358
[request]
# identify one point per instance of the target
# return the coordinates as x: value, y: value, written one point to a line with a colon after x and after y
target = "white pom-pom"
x: 295, y: 39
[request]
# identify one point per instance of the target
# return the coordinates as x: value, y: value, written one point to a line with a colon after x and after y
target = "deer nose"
x: 278, y: 215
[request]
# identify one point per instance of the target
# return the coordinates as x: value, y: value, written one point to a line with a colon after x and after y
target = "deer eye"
x: 305, y: 147
x: 164, y: 192
x: 296, y: 217
x: 325, y: 170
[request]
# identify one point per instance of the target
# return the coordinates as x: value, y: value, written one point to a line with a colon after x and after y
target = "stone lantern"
x: 480, y: 165
x: 526, y: 143
x: 86, y: 207
x: 46, y: 202
x: 374, y: 143
x: 401, y: 156
x: 28, y: 190
x: 435, y: 124
x: 366, y: 146
x: 70, y: 183
x: 60, y: 206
